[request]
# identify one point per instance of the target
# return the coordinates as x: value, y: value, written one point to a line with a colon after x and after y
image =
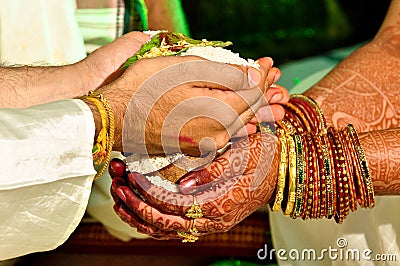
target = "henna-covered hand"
x: 244, y: 179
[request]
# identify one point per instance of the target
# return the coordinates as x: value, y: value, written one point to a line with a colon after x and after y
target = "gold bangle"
x: 105, y: 139
x: 292, y: 176
x: 100, y: 146
x: 286, y: 126
x: 329, y: 174
x: 283, y: 164
x: 300, y: 176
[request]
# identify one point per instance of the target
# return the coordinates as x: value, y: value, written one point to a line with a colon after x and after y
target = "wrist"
x: 96, y: 117
x: 116, y: 102
x: 104, y: 134
x: 85, y: 80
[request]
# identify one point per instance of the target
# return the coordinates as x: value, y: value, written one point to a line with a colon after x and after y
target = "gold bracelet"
x: 105, y: 139
x: 300, y: 175
x: 283, y: 164
x: 292, y: 176
x: 286, y: 126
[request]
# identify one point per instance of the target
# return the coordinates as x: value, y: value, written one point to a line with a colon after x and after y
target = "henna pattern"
x: 244, y: 198
x: 368, y: 77
x: 382, y: 149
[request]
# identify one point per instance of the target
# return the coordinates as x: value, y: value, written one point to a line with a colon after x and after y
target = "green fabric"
x: 135, y: 18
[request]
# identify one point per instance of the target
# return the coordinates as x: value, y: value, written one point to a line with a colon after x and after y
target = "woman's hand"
x: 186, y: 104
x: 244, y: 179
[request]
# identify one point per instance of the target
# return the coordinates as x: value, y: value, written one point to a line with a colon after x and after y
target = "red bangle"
x: 323, y: 193
x: 295, y: 110
x: 317, y: 189
x: 311, y: 203
x: 308, y: 112
x: 316, y: 108
x: 292, y: 119
x: 362, y: 160
x: 361, y: 191
x: 330, y: 181
x: 341, y: 177
x: 350, y: 172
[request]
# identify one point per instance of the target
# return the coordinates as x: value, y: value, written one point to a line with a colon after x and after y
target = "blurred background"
x: 285, y: 29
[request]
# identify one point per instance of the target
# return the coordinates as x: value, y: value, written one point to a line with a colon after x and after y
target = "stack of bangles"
x: 323, y: 172
x: 105, y: 139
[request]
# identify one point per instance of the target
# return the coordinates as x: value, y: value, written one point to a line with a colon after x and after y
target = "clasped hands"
x: 171, y: 104
x: 229, y: 102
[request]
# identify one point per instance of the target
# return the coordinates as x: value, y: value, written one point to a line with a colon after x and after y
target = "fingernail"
x: 132, y: 179
x: 188, y: 186
x: 276, y: 98
x: 141, y: 180
x: 187, y: 181
x: 253, y: 76
x: 121, y: 194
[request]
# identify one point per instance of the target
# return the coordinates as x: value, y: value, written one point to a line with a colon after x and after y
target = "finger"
x: 222, y: 167
x: 120, y: 195
x: 278, y: 111
x: 277, y: 94
x: 277, y: 75
x: 151, y: 215
x: 132, y: 219
x: 116, y: 182
x: 246, y: 131
x: 233, y: 77
x: 153, y: 231
x: 172, y: 203
x: 268, y: 113
x: 141, y: 226
x: 201, y: 225
x: 272, y: 73
x: 264, y: 114
x: 245, y: 117
x: 265, y: 72
x: 166, y: 209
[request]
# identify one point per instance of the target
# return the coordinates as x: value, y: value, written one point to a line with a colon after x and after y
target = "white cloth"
x: 39, y: 32
x: 377, y: 229
x: 46, y: 175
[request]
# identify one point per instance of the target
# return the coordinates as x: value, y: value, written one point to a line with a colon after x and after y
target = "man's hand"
x: 104, y: 64
x: 185, y: 104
